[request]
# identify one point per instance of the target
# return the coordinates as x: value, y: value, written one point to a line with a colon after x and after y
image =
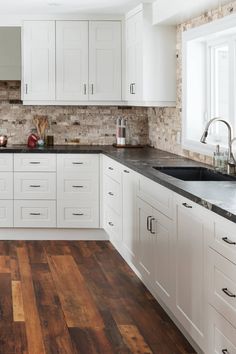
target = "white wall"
x: 10, y: 53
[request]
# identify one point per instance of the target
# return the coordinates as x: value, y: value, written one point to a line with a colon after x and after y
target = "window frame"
x: 198, y: 33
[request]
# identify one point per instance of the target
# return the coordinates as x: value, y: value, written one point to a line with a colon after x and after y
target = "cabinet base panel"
x: 53, y: 234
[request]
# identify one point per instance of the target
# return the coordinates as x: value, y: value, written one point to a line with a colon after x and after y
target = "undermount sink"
x: 195, y: 174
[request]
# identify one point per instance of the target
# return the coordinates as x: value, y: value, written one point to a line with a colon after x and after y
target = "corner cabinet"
x: 150, y: 60
x: 71, y: 61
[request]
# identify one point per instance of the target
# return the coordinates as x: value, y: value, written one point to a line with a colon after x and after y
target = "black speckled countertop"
x: 219, y: 197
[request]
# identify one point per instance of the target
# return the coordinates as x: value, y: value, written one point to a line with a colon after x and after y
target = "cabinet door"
x: 190, y: 268
x: 105, y: 60
x: 39, y: 60
x: 134, y: 57
x: 72, y: 60
x: 163, y: 248
x: 129, y: 206
x: 145, y: 240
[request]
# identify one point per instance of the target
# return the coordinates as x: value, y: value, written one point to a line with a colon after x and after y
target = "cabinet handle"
x: 225, y: 351
x: 92, y: 89
x: 132, y: 89
x: 111, y: 224
x: 34, y: 163
x: 111, y: 168
x: 225, y: 239
x: 77, y: 214
x: 26, y: 89
x: 151, y: 226
x: 78, y: 186
x: 148, y: 223
x: 85, y: 89
x: 126, y: 171
x: 35, y: 214
x: 228, y: 293
x: 110, y: 193
x: 187, y: 205
x: 77, y: 163
x: 35, y: 186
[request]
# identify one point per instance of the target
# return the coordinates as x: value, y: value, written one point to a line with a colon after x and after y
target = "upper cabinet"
x: 39, y: 60
x: 150, y: 60
x: 105, y: 60
x: 87, y: 62
x: 72, y: 60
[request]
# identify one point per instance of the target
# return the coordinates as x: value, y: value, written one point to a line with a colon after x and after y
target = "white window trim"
x: 220, y: 25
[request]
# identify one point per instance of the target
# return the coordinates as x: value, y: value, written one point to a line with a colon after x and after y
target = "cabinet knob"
x: 111, y: 168
x: 111, y: 224
x: 126, y: 171
x: 110, y: 193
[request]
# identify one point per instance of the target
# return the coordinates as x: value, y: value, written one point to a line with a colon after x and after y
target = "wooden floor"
x: 78, y: 297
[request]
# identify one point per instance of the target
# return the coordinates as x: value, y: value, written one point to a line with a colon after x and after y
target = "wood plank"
x: 76, y: 301
x: 134, y: 339
x: 5, y: 266
x: 17, y: 302
x: 55, y: 331
x: 32, y: 321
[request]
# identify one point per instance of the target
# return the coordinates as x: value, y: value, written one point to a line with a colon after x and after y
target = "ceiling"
x: 38, y: 7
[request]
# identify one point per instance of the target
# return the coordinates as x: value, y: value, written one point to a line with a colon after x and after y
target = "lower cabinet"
x: 156, y: 250
x: 190, y: 307
x: 34, y: 213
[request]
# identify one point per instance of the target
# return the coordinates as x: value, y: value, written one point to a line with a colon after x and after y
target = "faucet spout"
x: 231, y: 159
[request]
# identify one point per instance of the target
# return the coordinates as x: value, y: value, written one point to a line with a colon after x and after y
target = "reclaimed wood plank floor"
x: 78, y: 297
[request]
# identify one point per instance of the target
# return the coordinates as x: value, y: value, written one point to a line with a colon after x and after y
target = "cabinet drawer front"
x: 112, y: 169
x: 223, y: 238
x: 35, y: 185
x: 112, y: 224
x: 158, y: 196
x: 35, y: 162
x: 78, y: 214
x: 74, y: 186
x: 113, y: 194
x: 78, y: 163
x: 6, y: 185
x: 34, y: 214
x: 6, y: 162
x: 222, y: 285
x: 6, y: 213
x: 222, y: 336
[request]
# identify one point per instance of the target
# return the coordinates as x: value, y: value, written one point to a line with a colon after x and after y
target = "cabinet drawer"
x: 34, y: 214
x: 6, y: 213
x: 222, y: 336
x: 35, y: 162
x: 78, y: 163
x: 77, y: 214
x: 6, y: 162
x: 158, y: 196
x: 112, y: 224
x: 113, y: 194
x: 223, y: 238
x: 77, y: 186
x: 222, y: 285
x: 112, y: 169
x: 6, y: 185
x: 33, y: 185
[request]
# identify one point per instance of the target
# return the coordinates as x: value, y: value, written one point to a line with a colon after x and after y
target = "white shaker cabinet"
x: 39, y: 60
x: 150, y: 60
x: 72, y: 60
x: 105, y: 60
x: 191, y: 231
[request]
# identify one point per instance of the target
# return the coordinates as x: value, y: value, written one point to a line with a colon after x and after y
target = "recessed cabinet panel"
x: 35, y: 162
x: 6, y: 162
x: 72, y: 60
x: 39, y: 60
x: 105, y: 60
x: 6, y: 213
x: 6, y: 185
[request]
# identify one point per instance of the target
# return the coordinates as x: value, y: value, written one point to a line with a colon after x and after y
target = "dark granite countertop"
x: 219, y: 197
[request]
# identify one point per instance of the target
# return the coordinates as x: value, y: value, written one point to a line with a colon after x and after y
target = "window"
x: 209, y: 90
